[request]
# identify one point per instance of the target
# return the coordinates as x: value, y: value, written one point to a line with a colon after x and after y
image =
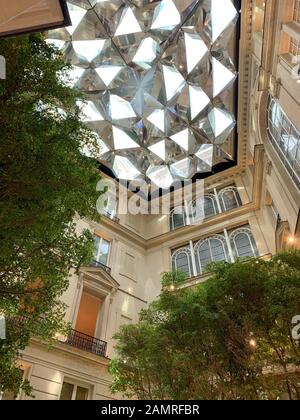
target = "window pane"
x: 243, y: 245
x: 229, y: 200
x: 285, y: 139
x: 205, y: 255
x: 81, y: 393
x: 111, y: 206
x: 66, y: 391
x: 102, y: 248
x: 104, y: 252
x: 292, y: 149
x: 209, y: 208
x: 217, y: 250
x: 178, y: 219
x: 97, y: 244
x: 182, y: 263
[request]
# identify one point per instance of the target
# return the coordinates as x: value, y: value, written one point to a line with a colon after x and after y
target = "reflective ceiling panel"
x: 159, y: 82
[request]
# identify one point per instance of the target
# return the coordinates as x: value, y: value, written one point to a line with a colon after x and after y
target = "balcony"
x: 98, y: 264
x: 110, y: 216
x: 87, y: 343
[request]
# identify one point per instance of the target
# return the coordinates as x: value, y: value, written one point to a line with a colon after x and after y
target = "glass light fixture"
x: 159, y: 83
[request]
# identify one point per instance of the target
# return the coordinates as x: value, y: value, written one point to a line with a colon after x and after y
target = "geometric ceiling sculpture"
x: 158, y: 78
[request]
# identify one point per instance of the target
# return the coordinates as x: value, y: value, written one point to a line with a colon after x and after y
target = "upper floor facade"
x: 248, y: 211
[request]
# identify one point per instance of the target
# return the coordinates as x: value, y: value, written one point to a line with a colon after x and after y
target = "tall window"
x: 182, y: 261
x: 243, y: 243
x: 178, y: 218
x: 102, y: 249
x: 286, y: 140
x: 210, y: 250
x: 229, y: 198
x: 72, y: 391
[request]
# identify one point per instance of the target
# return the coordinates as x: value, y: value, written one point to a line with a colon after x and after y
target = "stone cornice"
x: 245, y: 53
x: 65, y: 348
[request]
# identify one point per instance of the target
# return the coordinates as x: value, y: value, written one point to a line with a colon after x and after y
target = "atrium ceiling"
x: 159, y: 78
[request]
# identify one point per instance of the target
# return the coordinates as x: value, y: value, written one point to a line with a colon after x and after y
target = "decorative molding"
x: 244, y: 81
x: 268, y: 46
x: 97, y: 278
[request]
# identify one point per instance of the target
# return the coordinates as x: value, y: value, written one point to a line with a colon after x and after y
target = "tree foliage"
x: 228, y: 338
x: 45, y: 182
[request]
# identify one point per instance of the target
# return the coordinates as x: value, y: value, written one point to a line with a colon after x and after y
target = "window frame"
x: 212, y: 198
x: 198, y: 245
x: 98, y: 253
x: 248, y: 232
x: 275, y: 129
x: 237, y: 197
x: 185, y: 250
x: 76, y: 384
x: 171, y: 218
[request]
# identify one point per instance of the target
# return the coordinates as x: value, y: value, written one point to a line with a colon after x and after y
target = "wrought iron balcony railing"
x: 110, y: 216
x: 95, y: 263
x: 85, y: 342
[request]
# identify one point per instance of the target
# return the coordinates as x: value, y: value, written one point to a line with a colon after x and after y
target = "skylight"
x: 159, y: 83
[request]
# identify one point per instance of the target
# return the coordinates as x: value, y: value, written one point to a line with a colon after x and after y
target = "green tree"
x: 45, y: 183
x: 229, y: 338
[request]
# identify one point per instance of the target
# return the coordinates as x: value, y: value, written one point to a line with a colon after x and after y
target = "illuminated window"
x: 286, y: 140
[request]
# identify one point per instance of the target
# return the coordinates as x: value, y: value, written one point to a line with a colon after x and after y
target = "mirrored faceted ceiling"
x: 159, y: 82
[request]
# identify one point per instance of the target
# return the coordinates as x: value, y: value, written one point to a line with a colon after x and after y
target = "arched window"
x: 178, y: 218
x: 102, y: 251
x: 205, y: 207
x: 210, y: 250
x: 243, y: 243
x: 182, y: 261
x: 229, y: 198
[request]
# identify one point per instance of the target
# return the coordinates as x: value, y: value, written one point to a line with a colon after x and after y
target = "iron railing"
x: 98, y: 264
x: 110, y: 216
x: 86, y: 342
